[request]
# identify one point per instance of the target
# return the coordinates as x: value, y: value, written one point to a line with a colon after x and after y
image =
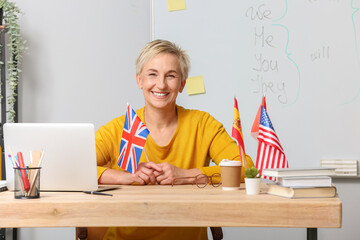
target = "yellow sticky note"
x: 175, y: 5
x: 195, y: 85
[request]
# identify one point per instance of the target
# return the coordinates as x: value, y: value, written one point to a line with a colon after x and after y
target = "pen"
x: 97, y: 193
x: 23, y: 172
x: 14, y: 163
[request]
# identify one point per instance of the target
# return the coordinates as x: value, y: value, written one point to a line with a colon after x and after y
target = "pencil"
x: 12, y: 158
x: 33, y: 188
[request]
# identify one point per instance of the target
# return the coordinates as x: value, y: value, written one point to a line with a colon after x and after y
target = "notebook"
x: 69, y: 162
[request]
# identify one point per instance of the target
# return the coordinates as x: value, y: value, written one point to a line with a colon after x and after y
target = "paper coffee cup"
x: 230, y: 174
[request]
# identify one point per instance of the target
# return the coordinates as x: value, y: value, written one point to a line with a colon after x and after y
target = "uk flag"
x: 133, y: 140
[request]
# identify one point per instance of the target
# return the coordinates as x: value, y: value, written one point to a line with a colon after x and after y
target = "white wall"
x: 81, y: 61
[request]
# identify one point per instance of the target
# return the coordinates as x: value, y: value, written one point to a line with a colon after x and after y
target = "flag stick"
x: 146, y: 155
x: 244, y: 158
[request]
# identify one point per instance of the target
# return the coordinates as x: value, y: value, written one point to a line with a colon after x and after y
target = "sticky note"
x: 195, y: 85
x: 175, y: 5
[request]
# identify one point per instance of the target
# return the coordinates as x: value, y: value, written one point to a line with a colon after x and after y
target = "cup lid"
x: 226, y: 162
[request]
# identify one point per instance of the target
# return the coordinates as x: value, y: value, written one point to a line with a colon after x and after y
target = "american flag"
x: 132, y: 141
x: 236, y: 132
x: 270, y: 154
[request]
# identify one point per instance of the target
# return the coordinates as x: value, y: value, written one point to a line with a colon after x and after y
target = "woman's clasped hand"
x: 160, y: 173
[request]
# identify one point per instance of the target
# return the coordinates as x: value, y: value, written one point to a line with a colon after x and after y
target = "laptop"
x: 69, y: 162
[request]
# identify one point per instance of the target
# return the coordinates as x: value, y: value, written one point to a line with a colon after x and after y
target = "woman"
x: 181, y: 142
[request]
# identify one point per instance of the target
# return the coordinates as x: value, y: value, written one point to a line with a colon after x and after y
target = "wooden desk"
x: 168, y: 206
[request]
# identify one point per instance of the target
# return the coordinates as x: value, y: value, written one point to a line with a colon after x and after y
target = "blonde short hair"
x: 154, y: 48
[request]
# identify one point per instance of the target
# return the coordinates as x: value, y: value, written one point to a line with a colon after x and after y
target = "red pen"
x: 25, y: 180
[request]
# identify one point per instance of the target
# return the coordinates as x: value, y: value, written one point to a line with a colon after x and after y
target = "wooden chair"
x: 92, y: 233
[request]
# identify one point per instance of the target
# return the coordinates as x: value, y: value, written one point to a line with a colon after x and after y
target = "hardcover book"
x: 301, y: 192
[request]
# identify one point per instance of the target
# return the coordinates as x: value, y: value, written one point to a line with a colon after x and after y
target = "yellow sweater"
x: 198, y: 138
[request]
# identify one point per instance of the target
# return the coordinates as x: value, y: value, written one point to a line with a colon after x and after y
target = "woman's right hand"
x: 143, y: 175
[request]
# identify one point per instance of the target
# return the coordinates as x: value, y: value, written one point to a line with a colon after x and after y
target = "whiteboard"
x: 304, y: 55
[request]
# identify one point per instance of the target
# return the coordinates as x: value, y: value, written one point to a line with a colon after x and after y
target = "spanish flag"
x: 237, y: 132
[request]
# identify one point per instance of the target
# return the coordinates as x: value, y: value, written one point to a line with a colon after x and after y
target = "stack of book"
x: 301, y: 183
x: 342, y: 167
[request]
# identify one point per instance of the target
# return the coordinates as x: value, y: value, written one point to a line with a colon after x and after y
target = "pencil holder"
x: 27, y: 182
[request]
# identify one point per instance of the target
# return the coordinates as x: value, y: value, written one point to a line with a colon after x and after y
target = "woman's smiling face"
x: 161, y: 81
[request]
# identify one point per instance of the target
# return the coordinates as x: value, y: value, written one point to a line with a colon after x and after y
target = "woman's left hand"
x: 170, y: 172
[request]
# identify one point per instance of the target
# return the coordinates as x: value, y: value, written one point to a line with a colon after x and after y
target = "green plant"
x: 16, y: 47
x: 252, y: 172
